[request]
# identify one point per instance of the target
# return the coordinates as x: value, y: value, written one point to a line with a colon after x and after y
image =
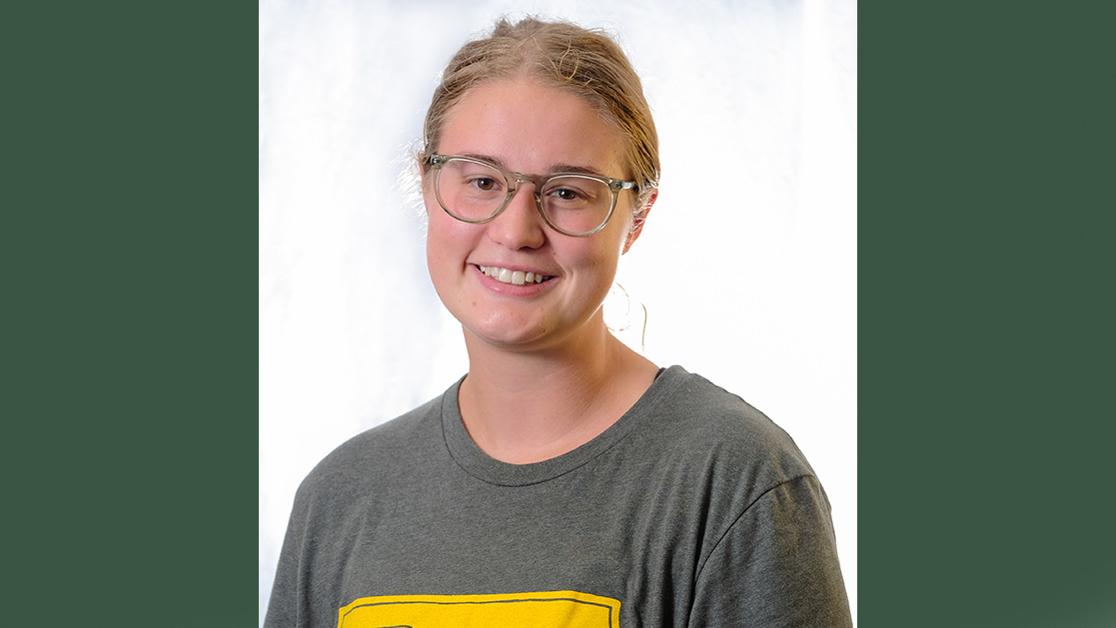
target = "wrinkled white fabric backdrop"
x: 747, y: 266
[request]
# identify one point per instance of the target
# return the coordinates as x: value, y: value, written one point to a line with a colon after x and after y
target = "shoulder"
x: 375, y: 454
x: 700, y: 421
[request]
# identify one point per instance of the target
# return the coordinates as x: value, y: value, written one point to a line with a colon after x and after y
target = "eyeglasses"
x: 476, y: 191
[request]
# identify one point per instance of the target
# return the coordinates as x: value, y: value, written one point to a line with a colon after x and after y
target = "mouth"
x: 514, y: 277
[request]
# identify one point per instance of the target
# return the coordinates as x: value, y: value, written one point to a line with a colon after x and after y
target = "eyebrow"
x: 556, y: 168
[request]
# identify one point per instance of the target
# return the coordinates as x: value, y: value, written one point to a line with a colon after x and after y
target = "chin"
x: 523, y: 338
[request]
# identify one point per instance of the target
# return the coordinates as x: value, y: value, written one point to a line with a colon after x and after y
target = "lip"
x: 499, y: 287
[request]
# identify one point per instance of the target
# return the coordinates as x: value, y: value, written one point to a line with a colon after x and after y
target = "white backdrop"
x: 747, y: 266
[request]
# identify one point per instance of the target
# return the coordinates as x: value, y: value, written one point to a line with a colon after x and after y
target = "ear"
x: 423, y: 168
x: 640, y: 218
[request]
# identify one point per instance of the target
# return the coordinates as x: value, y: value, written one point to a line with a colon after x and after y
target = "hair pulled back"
x: 585, y: 62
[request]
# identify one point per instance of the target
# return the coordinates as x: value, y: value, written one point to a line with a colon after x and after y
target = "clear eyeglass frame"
x: 513, y: 179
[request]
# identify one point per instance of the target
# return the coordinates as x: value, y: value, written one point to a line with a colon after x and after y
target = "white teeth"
x: 515, y: 277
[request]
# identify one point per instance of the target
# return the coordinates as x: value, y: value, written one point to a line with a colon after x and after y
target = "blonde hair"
x: 585, y: 62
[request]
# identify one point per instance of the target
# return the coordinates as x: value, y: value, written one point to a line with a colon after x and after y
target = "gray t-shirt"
x: 693, y: 509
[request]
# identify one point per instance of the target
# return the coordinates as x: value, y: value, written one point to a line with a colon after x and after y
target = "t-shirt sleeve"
x: 776, y: 565
x: 286, y: 607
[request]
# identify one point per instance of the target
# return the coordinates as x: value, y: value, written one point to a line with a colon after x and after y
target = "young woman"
x: 565, y: 480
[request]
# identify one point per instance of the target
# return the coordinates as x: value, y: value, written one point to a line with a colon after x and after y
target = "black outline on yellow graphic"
x: 576, y: 597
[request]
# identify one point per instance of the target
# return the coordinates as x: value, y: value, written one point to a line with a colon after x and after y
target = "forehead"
x: 531, y: 128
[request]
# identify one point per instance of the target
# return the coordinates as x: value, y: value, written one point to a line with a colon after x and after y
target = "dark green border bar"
x: 986, y: 315
x: 130, y: 342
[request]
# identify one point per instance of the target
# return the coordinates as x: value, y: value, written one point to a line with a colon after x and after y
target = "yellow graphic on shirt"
x: 544, y: 609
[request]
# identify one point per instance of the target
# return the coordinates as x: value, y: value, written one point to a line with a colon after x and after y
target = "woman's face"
x: 533, y: 129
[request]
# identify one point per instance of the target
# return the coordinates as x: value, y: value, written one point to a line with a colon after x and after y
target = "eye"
x: 566, y: 194
x: 484, y: 184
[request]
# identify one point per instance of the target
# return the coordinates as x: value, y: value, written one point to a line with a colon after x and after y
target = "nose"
x: 519, y: 226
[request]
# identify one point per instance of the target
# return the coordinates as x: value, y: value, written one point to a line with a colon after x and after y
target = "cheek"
x: 439, y: 253
x: 448, y: 242
x: 435, y: 224
x: 438, y: 242
x: 610, y: 245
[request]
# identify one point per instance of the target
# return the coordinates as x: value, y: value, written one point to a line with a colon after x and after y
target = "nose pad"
x: 520, y: 225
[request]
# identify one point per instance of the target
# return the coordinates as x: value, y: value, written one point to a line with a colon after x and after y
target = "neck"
x: 528, y: 406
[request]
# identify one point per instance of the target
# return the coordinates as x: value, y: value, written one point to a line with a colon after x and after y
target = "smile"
x: 514, y: 277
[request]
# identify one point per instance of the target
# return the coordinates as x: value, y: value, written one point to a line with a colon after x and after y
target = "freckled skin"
x: 530, y: 128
